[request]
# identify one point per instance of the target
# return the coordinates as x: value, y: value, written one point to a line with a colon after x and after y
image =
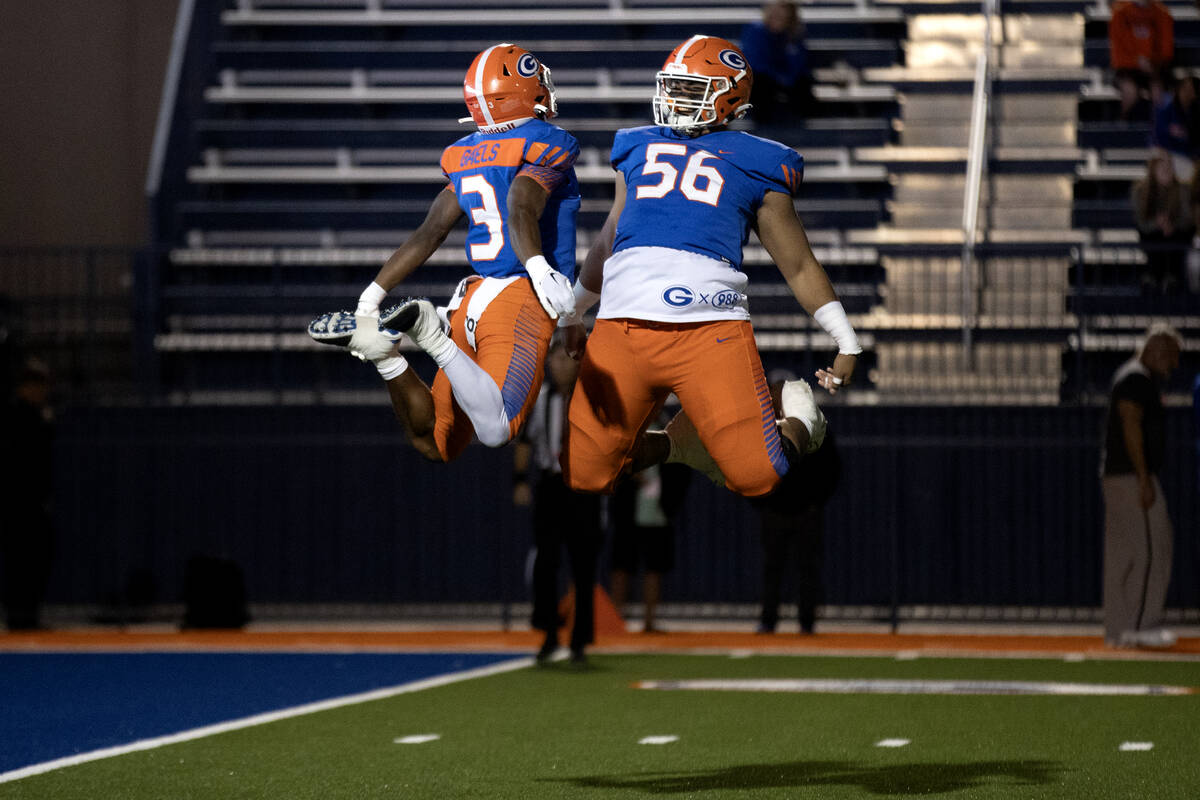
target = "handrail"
x: 166, y: 106
x: 976, y: 162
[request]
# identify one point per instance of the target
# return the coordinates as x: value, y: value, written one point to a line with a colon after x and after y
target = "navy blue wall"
x: 947, y: 505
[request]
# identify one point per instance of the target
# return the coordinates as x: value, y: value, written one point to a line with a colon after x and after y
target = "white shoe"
x: 1155, y: 637
x: 420, y: 321
x: 796, y: 400
x: 686, y: 448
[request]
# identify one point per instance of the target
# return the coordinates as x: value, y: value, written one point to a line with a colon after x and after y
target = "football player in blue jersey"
x: 673, y: 313
x: 515, y: 180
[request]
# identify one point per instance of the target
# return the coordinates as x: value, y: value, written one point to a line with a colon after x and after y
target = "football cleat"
x: 705, y: 82
x: 335, y: 328
x: 797, y: 401
x: 419, y: 320
x: 686, y: 448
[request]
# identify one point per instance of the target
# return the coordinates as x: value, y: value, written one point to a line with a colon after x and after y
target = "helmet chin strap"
x: 501, y: 126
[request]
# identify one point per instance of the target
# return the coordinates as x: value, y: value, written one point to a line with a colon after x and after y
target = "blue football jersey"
x: 481, y: 168
x: 700, y: 194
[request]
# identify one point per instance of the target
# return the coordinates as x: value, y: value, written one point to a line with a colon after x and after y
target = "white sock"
x: 392, y: 367
x: 443, y: 350
x: 478, y: 395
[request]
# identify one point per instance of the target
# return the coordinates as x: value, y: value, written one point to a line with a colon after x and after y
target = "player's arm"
x: 1131, y: 431
x: 782, y: 234
x: 591, y: 274
x: 443, y: 215
x: 526, y: 202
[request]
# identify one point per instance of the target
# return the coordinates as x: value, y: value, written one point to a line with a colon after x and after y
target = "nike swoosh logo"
x: 726, y: 339
x: 725, y: 152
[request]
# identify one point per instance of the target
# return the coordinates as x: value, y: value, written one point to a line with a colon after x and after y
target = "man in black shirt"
x: 1138, y: 539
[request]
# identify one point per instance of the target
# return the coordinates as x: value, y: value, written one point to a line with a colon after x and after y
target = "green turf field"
x: 555, y: 732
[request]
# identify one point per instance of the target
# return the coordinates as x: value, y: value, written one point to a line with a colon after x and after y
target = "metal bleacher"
x: 305, y: 148
x: 311, y: 149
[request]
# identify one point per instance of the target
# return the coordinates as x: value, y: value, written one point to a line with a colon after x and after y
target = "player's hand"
x: 574, y: 339
x: 553, y: 289
x: 831, y: 379
x: 369, y: 343
x: 554, y: 292
x: 1146, y: 493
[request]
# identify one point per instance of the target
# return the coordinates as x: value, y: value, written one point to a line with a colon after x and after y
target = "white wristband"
x: 538, y: 267
x: 832, y: 317
x: 391, y: 367
x: 369, y: 300
x: 585, y: 298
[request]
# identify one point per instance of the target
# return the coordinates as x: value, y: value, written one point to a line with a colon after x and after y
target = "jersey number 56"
x: 692, y: 172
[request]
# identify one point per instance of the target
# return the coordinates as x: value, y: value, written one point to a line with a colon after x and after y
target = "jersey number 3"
x: 486, y: 214
x: 694, y: 170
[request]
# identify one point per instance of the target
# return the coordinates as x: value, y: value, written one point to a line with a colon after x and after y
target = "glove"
x: 369, y: 343
x: 553, y: 289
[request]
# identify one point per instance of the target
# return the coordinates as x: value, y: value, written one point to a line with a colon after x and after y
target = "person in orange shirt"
x: 1141, y: 41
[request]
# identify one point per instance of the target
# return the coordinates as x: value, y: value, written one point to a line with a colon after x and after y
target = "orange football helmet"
x: 705, y: 82
x: 506, y: 83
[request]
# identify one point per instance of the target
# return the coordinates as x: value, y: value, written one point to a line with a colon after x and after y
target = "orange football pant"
x: 512, y: 336
x: 629, y: 368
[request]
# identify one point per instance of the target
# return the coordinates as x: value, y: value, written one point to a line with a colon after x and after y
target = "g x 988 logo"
x: 527, y: 66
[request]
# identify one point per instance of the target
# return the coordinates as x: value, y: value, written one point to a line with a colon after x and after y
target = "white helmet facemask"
x: 686, y: 101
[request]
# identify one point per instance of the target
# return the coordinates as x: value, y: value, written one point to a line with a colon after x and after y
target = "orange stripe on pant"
x: 511, y: 340
x: 629, y: 368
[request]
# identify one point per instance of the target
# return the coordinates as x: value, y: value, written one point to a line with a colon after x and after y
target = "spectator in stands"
x: 778, y: 55
x: 1176, y: 126
x: 1138, y: 538
x: 644, y: 509
x: 26, y: 531
x: 799, y: 527
x: 1161, y: 206
x: 561, y: 517
x: 1141, y: 39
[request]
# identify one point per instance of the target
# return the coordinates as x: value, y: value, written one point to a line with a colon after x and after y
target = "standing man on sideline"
x: 799, y: 528
x: 26, y: 527
x: 515, y: 179
x: 1138, y: 539
x: 561, y: 517
x: 674, y: 315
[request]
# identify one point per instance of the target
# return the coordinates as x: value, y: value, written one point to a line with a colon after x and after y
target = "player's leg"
x: 411, y: 399
x: 1124, y: 559
x: 719, y: 379
x: 616, y: 396
x: 491, y: 361
x: 511, y: 339
x: 413, y: 405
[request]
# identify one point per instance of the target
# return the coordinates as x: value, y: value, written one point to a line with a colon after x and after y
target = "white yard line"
x: 264, y: 718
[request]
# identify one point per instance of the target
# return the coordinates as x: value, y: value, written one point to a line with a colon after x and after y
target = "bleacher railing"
x: 977, y: 154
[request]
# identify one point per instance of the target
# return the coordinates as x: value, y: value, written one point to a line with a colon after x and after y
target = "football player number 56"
x: 695, y: 169
x: 488, y: 213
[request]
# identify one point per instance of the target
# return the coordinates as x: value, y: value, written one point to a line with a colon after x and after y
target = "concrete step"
x: 1019, y: 133
x: 964, y: 55
x: 1064, y: 29
x: 1037, y: 108
x: 1003, y: 189
x: 995, y: 363
x: 1031, y: 215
